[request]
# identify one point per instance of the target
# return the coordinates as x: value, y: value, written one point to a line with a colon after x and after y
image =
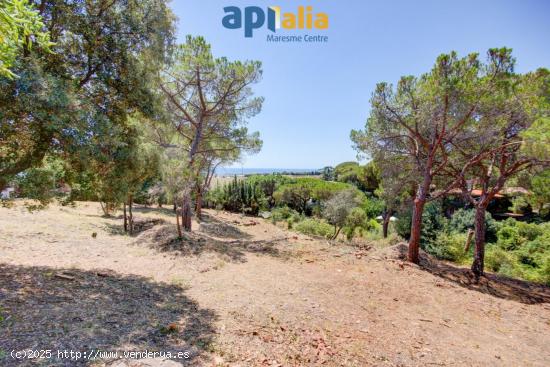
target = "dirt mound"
x: 164, y: 238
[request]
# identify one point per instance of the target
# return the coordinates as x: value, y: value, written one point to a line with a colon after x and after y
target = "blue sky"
x: 316, y: 93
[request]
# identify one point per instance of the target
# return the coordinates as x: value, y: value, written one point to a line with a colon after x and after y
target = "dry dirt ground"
x: 240, y: 291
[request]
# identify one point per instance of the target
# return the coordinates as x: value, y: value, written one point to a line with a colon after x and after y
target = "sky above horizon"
x: 316, y: 93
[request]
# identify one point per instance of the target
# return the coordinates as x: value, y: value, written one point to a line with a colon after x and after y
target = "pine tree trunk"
x: 416, y: 223
x: 180, y: 235
x: 479, y: 252
x: 385, y: 224
x: 198, y: 211
x: 186, y: 213
x: 125, y: 219
x: 131, y: 216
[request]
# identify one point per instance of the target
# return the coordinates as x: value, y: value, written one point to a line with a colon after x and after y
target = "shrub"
x: 449, y: 246
x: 372, y: 207
x: 534, y: 253
x: 463, y: 220
x: 355, y: 219
x: 337, y: 209
x: 499, y: 260
x: 509, y: 238
x: 314, y: 227
x: 373, y: 225
x: 529, y: 231
x: 282, y: 213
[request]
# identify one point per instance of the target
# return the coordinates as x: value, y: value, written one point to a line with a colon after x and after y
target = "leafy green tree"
x: 208, y: 101
x: 302, y: 193
x: 20, y: 27
x: 366, y: 178
x: 105, y: 60
x: 337, y: 209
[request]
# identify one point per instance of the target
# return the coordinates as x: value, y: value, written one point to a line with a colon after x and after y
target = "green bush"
x: 314, y: 227
x: 529, y: 231
x: 463, y: 220
x: 449, y: 246
x: 356, y: 219
x: 508, y: 238
x: 282, y: 214
x: 499, y: 260
x: 372, y: 207
x: 535, y: 252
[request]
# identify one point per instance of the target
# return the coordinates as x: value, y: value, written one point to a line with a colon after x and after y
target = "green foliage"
x: 20, y: 26
x: 521, y: 250
x: 403, y: 223
x: 314, y: 227
x: 365, y: 178
x: 449, y: 246
x: 499, y: 260
x: 208, y: 102
x: 268, y: 184
x: 299, y: 193
x: 283, y: 213
x: 41, y: 183
x: 337, y: 209
x: 463, y: 219
x: 102, y: 70
x: 357, y: 218
x: 520, y: 205
x: 239, y: 196
x: 540, y: 187
x: 121, y: 164
x: 535, y: 252
x: 373, y: 207
x: 513, y: 234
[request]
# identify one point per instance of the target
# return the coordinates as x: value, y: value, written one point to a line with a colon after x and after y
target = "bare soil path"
x: 240, y: 291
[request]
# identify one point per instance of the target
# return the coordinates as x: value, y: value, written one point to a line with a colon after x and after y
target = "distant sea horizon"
x: 230, y: 171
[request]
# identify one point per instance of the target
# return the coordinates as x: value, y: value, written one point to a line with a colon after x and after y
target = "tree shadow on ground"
x: 61, y: 309
x: 213, y: 226
x: 493, y: 284
x: 164, y: 238
x: 140, y: 225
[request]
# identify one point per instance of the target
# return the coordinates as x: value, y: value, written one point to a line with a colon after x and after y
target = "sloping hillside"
x: 243, y: 292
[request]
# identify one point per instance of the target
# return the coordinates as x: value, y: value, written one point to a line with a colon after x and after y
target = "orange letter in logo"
x: 322, y: 21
